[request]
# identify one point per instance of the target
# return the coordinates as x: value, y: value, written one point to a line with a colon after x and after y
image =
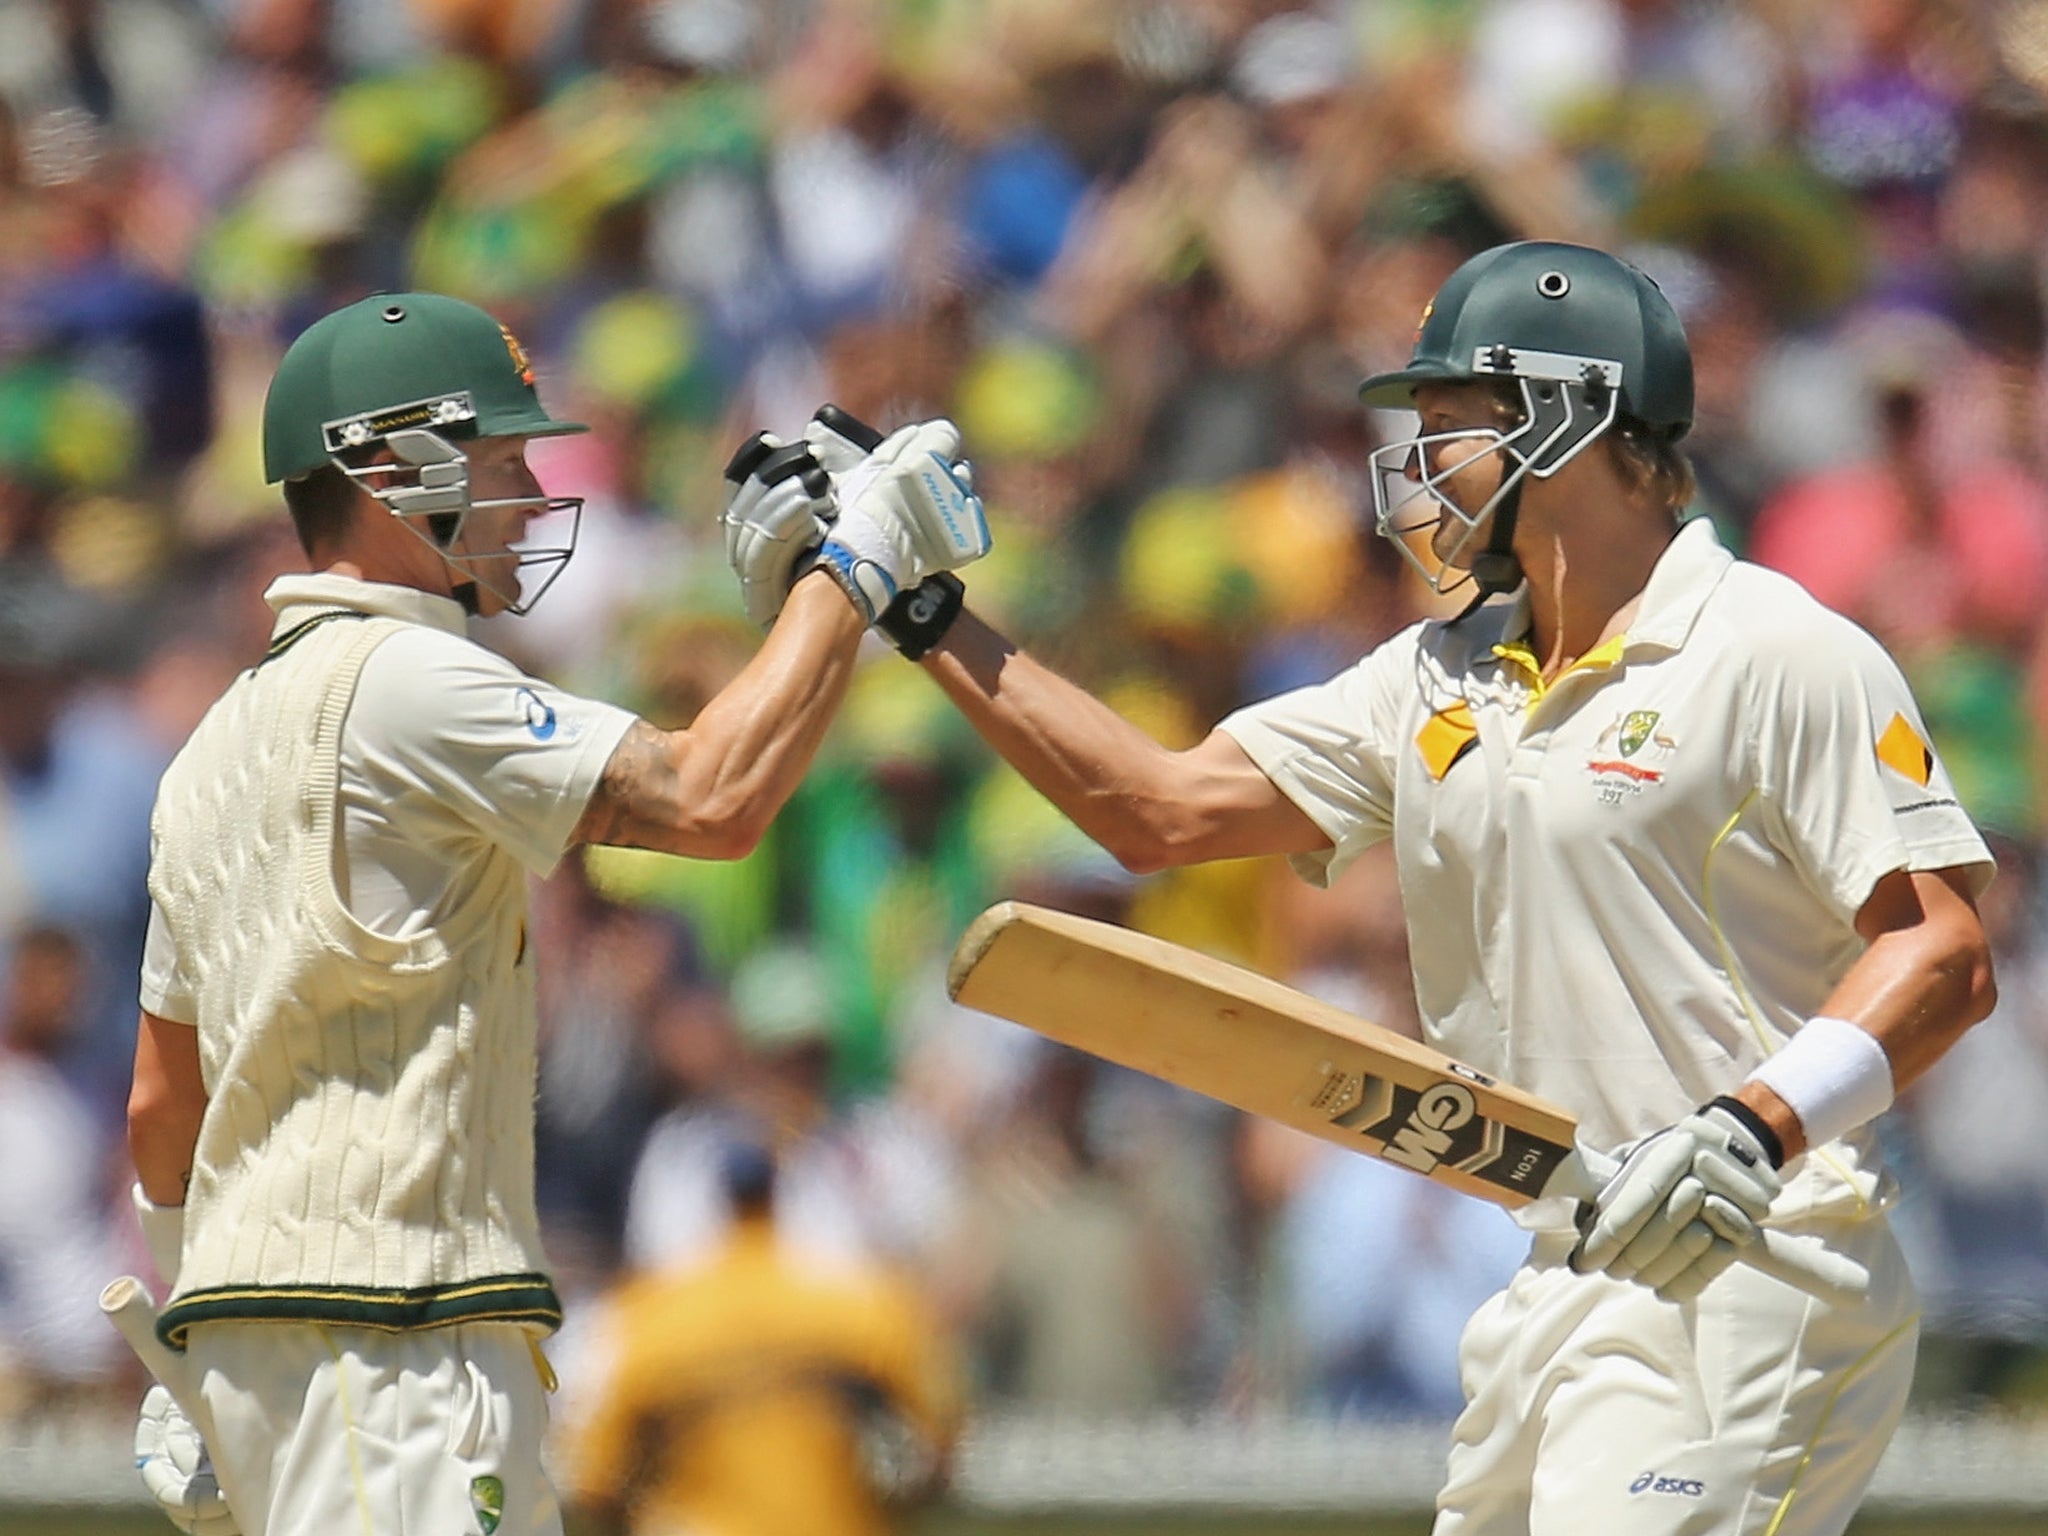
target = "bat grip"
x: 1803, y: 1262
x: 849, y: 426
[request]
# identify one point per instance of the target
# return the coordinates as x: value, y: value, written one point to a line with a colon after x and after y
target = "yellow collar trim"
x: 1516, y: 653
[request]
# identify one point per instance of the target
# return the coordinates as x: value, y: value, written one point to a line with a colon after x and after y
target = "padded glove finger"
x: 775, y: 517
x: 1628, y: 1201
x: 177, y: 1469
x: 1687, y: 1284
x: 1680, y: 1210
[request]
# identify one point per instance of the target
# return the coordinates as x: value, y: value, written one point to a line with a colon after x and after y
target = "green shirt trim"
x: 501, y: 1299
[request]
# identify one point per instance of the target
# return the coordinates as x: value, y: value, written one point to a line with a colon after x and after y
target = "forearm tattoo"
x: 639, y: 777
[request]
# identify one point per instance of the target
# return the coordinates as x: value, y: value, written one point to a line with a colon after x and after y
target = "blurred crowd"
x: 1141, y: 250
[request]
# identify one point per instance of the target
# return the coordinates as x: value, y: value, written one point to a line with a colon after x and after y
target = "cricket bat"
x: 1270, y: 1050
x: 131, y: 1309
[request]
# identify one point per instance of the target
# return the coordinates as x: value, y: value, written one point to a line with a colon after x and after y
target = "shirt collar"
x: 1684, y: 577
x: 295, y: 598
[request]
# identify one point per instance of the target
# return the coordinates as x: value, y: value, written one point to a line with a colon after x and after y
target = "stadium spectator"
x: 54, y: 1246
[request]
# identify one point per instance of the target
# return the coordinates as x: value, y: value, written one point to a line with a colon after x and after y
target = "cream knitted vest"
x: 366, y: 1155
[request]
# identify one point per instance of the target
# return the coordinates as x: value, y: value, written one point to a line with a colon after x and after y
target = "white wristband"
x: 163, y: 1231
x: 1833, y: 1075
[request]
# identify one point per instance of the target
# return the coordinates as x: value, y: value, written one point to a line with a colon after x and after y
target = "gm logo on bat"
x: 1423, y: 1140
x: 1442, y: 1124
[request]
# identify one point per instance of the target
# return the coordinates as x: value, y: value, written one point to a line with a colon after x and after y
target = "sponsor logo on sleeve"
x: 1901, y: 749
x: 539, y: 713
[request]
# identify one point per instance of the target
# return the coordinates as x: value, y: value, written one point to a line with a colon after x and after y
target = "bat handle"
x: 1803, y: 1262
x: 132, y: 1310
x: 849, y: 426
x: 1808, y: 1264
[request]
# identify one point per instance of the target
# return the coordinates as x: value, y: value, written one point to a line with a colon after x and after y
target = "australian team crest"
x: 1636, y: 727
x: 1637, y: 742
x: 487, y: 1502
x: 517, y: 352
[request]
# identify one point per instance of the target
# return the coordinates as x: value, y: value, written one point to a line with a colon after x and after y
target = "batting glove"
x: 840, y: 440
x: 907, y: 511
x: 177, y: 1470
x: 1683, y: 1202
x: 777, y: 507
x: 919, y: 617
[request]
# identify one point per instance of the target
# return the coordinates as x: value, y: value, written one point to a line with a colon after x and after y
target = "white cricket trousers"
x: 329, y: 1431
x: 1754, y: 1411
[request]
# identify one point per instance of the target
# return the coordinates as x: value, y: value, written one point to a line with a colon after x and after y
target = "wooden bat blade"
x: 1259, y: 1046
x: 1268, y: 1049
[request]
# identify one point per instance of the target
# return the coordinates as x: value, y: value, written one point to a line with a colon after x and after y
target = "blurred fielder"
x: 1675, y: 853
x: 332, y: 1113
x: 753, y: 1390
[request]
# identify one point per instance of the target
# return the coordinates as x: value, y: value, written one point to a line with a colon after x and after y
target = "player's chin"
x: 1456, y: 541
x: 497, y: 587
x: 1452, y: 544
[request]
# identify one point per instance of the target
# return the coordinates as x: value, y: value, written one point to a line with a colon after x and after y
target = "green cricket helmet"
x: 417, y: 374
x: 395, y: 361
x: 1585, y: 336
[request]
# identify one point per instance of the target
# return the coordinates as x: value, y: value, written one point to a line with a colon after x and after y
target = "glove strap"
x: 918, y: 619
x: 1753, y: 1123
x: 866, y: 582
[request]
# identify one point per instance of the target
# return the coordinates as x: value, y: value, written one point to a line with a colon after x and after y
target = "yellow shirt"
x: 729, y: 1405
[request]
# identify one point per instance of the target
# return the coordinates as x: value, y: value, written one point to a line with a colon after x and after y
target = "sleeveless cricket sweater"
x: 366, y: 1153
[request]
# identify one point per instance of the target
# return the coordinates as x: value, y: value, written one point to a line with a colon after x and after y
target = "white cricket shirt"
x: 1625, y: 890
x: 446, y: 747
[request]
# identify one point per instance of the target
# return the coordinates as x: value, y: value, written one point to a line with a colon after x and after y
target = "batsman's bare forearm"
x: 1151, y: 807
x: 1925, y: 978
x: 710, y: 791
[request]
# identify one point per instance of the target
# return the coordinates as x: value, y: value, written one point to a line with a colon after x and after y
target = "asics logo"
x: 1685, y: 1487
x: 540, y: 715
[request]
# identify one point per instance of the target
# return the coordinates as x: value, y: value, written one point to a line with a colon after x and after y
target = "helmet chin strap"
x: 1497, y: 568
x: 1561, y: 416
x: 443, y: 528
